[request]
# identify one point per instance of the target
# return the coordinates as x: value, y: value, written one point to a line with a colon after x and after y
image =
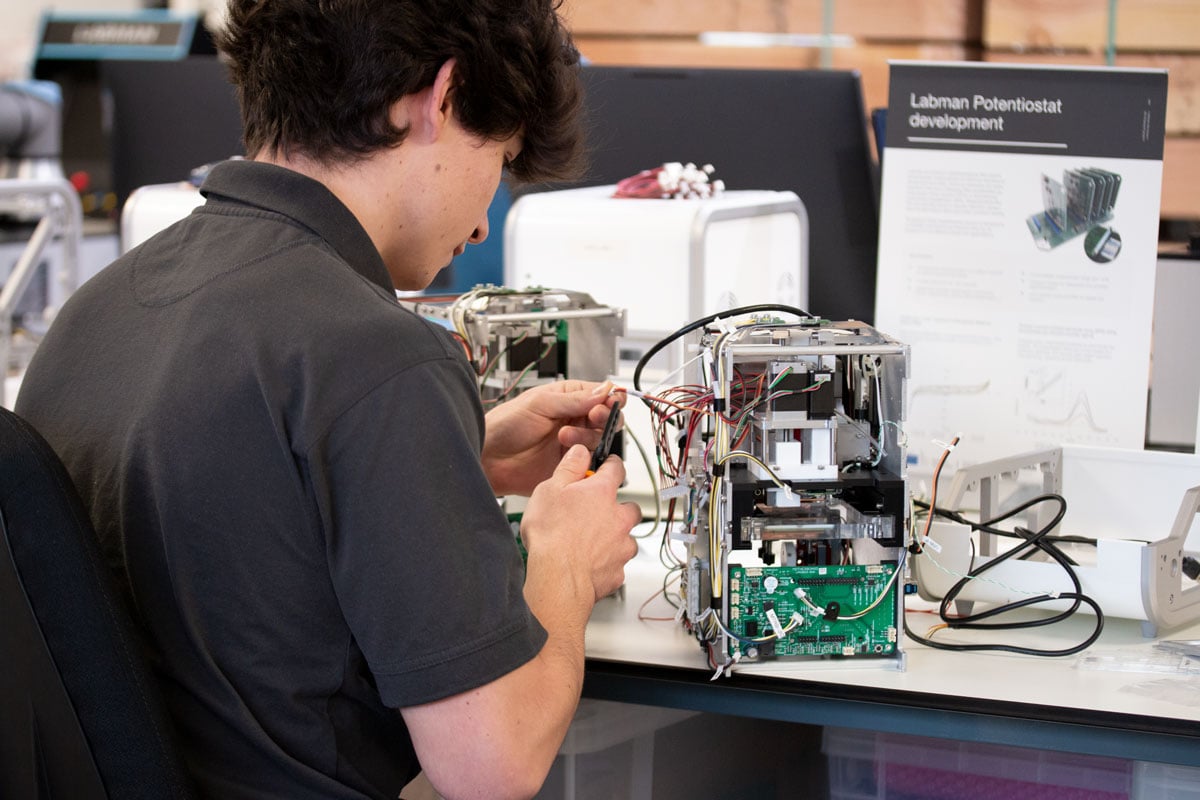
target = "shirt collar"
x: 304, y: 200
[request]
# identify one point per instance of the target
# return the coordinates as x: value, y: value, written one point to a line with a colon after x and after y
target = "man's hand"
x: 527, y: 436
x: 575, y: 529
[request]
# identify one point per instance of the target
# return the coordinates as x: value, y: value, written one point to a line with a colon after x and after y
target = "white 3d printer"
x: 666, y: 261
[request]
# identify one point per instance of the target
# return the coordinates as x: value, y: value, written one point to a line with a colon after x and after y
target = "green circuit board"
x: 763, y: 600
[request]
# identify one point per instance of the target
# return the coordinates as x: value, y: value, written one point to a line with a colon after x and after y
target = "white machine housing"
x: 667, y: 262
x: 150, y: 209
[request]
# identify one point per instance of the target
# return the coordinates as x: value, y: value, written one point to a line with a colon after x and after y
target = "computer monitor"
x: 168, y: 118
x: 72, y: 47
x: 799, y: 130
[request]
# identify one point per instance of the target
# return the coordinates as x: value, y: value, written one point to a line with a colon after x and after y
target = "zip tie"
x: 674, y: 490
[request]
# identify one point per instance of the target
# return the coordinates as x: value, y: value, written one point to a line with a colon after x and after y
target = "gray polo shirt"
x: 282, y: 464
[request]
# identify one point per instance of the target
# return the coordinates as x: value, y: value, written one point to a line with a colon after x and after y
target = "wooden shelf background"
x: 865, y: 34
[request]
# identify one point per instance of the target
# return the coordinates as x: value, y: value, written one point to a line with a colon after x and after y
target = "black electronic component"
x: 523, y: 352
x: 793, y: 396
x: 1191, y: 567
x: 822, y: 401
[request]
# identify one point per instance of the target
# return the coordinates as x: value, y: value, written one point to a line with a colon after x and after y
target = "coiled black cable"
x: 1039, y: 540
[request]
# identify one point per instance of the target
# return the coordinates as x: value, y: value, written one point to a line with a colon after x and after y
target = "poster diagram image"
x: 1081, y: 203
x: 1102, y: 244
x: 1054, y: 400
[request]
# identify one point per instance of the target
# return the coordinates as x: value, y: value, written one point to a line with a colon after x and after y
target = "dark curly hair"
x: 318, y: 77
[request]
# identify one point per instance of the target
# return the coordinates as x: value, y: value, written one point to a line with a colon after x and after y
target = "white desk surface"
x: 615, y: 634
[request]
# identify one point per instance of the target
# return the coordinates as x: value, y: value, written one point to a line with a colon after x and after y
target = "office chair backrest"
x: 79, y: 715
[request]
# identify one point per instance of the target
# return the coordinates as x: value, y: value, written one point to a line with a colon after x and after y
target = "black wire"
x: 972, y: 621
x: 700, y: 323
x: 1030, y: 651
x: 955, y: 516
x: 1030, y: 541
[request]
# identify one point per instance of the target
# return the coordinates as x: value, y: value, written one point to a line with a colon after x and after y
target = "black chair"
x: 80, y: 717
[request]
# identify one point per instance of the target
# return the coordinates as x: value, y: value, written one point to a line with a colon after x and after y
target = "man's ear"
x: 425, y: 113
x: 431, y: 108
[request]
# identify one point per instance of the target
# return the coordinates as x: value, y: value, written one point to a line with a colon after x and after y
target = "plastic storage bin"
x: 867, y: 765
x: 608, y: 752
x: 1153, y: 781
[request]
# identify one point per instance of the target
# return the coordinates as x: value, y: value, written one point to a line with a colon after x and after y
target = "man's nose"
x: 480, y: 233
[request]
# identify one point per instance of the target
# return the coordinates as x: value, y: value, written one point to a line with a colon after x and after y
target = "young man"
x: 293, y: 475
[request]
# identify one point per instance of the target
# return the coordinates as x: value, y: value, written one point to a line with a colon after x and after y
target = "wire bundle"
x: 671, y: 181
x: 1032, y: 540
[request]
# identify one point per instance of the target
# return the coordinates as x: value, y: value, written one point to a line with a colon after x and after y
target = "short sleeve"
x: 421, y: 556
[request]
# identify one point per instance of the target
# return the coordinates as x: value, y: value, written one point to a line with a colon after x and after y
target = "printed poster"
x: 1017, y: 249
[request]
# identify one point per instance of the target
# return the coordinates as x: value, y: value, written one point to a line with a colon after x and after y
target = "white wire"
x: 663, y: 383
x: 650, y: 470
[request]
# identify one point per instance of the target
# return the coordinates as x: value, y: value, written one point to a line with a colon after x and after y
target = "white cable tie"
x: 1052, y: 594
x: 679, y: 612
x: 929, y: 542
x: 944, y: 445
x: 717, y: 674
x: 674, y: 490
